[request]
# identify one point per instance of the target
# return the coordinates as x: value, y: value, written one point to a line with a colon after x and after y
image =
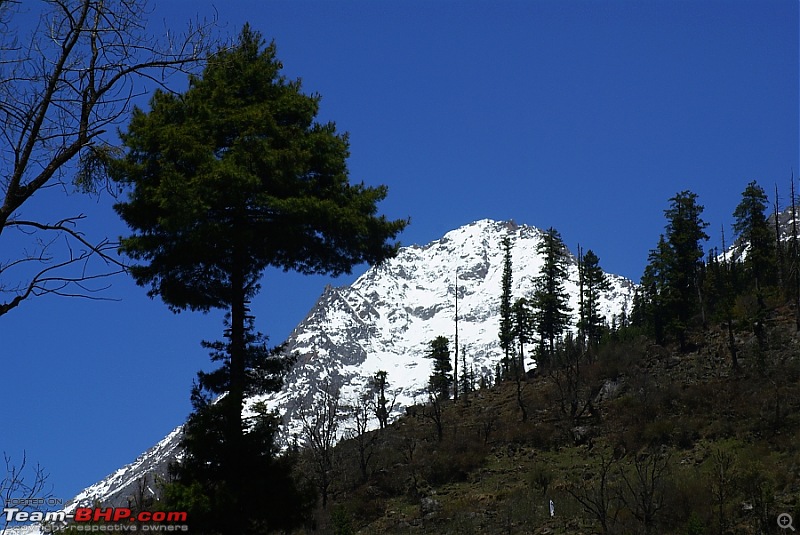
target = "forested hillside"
x: 679, y: 418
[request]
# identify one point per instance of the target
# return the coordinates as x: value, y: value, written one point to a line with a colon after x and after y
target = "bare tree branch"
x: 320, y: 425
x: 70, y: 275
x: 23, y: 488
x: 66, y: 83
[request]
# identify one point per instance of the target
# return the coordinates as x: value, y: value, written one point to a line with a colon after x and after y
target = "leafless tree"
x: 320, y: 427
x: 358, y: 432
x: 598, y: 495
x: 69, y: 72
x: 645, y: 488
x: 723, y: 483
x: 23, y: 487
x: 434, y: 411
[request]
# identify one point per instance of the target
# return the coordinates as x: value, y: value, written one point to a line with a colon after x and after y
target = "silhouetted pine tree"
x: 506, y: 320
x: 751, y: 225
x: 684, y: 232
x: 226, y: 179
x: 550, y: 300
x: 523, y: 329
x: 594, y: 285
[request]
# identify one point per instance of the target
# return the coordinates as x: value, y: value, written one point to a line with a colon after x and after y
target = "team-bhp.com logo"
x: 98, y: 519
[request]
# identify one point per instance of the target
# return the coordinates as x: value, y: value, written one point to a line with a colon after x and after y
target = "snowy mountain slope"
x: 737, y: 251
x: 118, y: 488
x: 384, y: 320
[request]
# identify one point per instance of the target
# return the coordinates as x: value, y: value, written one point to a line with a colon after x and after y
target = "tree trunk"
x: 234, y: 399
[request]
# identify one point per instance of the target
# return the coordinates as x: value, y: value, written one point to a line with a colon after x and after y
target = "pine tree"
x: 684, y: 232
x: 720, y: 287
x: 441, y: 379
x: 550, y: 300
x: 595, y: 284
x: 456, y: 378
x: 751, y: 226
x: 523, y: 329
x: 506, y: 320
x: 650, y: 310
x: 206, y: 462
x: 795, y: 259
x: 466, y: 380
x: 779, y: 253
x: 231, y: 177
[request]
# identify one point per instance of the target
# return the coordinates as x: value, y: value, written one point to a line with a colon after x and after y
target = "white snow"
x: 386, y: 318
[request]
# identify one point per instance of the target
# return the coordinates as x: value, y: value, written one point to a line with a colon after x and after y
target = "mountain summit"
x: 384, y: 321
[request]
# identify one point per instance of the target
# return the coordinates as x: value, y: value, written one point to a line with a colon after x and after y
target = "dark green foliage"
x: 523, y: 329
x: 236, y: 170
x: 650, y: 302
x: 551, y: 310
x: 594, y: 283
x: 720, y: 283
x: 641, y: 439
x: 230, y: 177
x: 793, y: 258
x: 671, y: 288
x: 342, y: 523
x: 751, y: 226
x: 466, y: 382
x: 269, y: 498
x: 441, y: 379
x: 506, y: 317
x: 684, y: 232
x: 205, y: 480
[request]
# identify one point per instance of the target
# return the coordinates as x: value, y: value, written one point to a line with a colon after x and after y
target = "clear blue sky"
x: 584, y: 116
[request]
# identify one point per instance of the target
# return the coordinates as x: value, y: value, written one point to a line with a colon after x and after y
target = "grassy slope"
x: 725, y: 449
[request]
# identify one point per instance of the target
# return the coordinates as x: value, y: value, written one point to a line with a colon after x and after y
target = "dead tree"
x: 359, y: 433
x: 22, y: 487
x: 320, y: 426
x: 63, y: 87
x: 433, y: 411
x: 598, y: 496
x: 645, y: 488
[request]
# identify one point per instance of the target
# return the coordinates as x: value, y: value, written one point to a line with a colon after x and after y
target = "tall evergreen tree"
x: 594, y: 285
x: 751, y: 226
x: 506, y: 319
x: 721, y: 295
x: 441, y: 379
x: 550, y: 300
x: 684, y: 232
x: 523, y: 328
x: 794, y: 256
x: 202, y: 481
x: 230, y: 177
x: 779, y: 252
x: 760, y: 263
x: 466, y: 382
x: 650, y: 309
x: 455, y: 357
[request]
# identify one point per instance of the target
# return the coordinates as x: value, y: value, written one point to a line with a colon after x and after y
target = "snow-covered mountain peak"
x: 384, y: 322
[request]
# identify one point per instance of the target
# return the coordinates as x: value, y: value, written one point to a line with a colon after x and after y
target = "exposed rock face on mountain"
x: 384, y: 321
